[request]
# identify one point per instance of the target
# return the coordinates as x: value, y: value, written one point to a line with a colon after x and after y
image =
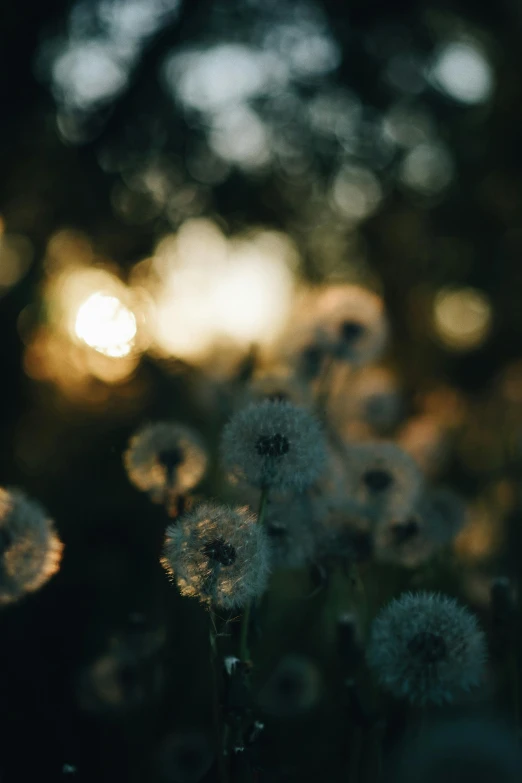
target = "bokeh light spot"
x: 462, y: 71
x: 104, y: 323
x: 462, y: 318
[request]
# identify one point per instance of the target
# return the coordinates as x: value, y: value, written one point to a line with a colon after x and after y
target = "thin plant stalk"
x: 219, y: 728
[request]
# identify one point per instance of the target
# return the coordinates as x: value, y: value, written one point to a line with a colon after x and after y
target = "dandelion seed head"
x: 382, y: 479
x: 124, y: 677
x: 438, y: 517
x: 30, y: 550
x: 426, y: 648
x: 219, y: 555
x: 274, y: 444
x: 351, y: 321
x: 165, y: 459
x: 365, y: 404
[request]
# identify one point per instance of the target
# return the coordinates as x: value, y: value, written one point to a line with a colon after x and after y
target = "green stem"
x: 323, y: 384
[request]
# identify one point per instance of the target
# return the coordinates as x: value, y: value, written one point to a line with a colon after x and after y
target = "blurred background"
x: 174, y: 174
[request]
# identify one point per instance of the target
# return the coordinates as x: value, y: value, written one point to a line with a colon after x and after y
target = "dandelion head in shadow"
x: 382, y: 479
x: 426, y: 648
x: 127, y: 677
x: 219, y: 555
x: 438, y: 517
x: 165, y: 459
x: 274, y: 444
x: 30, y: 550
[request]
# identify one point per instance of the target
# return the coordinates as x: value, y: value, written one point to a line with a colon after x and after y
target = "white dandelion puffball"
x: 30, y: 550
x: 426, y: 648
x: 165, y: 458
x: 274, y: 444
x: 219, y: 555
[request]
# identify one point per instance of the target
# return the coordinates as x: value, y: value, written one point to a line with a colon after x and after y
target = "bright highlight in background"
x: 104, y: 323
x: 462, y: 318
x: 210, y: 291
x: 463, y: 73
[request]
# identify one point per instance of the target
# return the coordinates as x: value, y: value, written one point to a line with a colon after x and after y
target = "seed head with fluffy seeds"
x: 274, y: 444
x: 426, y: 648
x: 30, y: 550
x: 439, y: 515
x: 219, y: 555
x: 351, y: 321
x: 165, y: 459
x: 382, y: 480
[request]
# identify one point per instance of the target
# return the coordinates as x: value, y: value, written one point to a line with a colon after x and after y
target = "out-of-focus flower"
x: 382, y: 479
x: 294, y: 687
x: 219, y: 555
x: 427, y: 438
x: 165, y: 459
x: 426, y: 648
x: 274, y: 444
x: 437, y: 519
x: 30, y: 550
x: 184, y: 757
x: 294, y: 526
x: 350, y: 321
x: 369, y: 397
x: 126, y: 677
x: 347, y: 530
x: 467, y: 749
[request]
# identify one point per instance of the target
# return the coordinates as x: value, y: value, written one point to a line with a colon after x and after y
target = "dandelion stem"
x: 222, y: 757
x: 323, y: 384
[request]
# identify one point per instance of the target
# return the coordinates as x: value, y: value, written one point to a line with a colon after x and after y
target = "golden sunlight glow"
x: 462, y: 318
x: 104, y: 323
x: 212, y: 291
x: 482, y: 536
x: 94, y: 328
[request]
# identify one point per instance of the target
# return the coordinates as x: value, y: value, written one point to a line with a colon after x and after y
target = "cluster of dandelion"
x: 320, y: 477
